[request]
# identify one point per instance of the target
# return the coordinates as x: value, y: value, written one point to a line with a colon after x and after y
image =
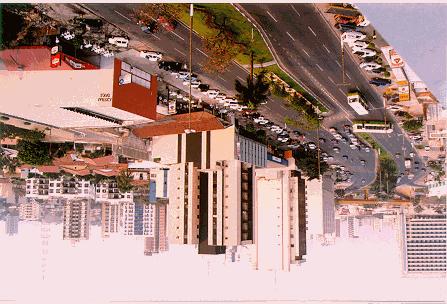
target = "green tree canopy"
x: 33, y: 153
x: 307, y: 162
x: 412, y: 125
x: 253, y: 92
x: 124, y: 181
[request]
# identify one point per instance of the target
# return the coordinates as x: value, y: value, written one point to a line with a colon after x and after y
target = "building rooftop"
x: 177, y: 124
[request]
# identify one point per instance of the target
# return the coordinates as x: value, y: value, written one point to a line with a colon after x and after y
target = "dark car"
x: 203, y: 87
x: 170, y: 65
x: 151, y: 27
x: 377, y: 81
x: 348, y: 27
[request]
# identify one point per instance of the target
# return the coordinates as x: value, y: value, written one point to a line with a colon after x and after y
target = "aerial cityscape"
x: 218, y: 152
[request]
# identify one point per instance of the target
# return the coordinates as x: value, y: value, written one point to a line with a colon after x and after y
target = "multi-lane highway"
x: 304, y: 44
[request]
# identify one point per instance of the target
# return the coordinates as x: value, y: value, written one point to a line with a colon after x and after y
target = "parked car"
x: 397, y: 155
x: 336, y: 149
x: 334, y: 141
x: 203, y: 87
x: 166, y: 24
x: 411, y: 154
x: 364, y: 52
x: 151, y: 27
x: 119, y: 41
x: 212, y: 93
x: 345, y: 157
x: 377, y: 81
x: 363, y: 162
x: 352, y: 146
x: 322, y: 140
x: 170, y: 65
x: 311, y: 146
x: 333, y: 130
x: 338, y: 136
x: 151, y: 55
x: 352, y: 36
x: 359, y: 44
x: 369, y: 66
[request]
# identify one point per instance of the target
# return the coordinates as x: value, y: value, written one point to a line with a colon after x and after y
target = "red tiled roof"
x: 177, y: 124
x: 101, y: 161
x: 134, y: 98
x: 48, y: 169
x: 35, y: 58
x: 80, y: 172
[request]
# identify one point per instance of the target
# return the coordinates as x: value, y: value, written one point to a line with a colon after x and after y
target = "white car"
x: 221, y: 96
x: 394, y: 108
x: 119, y: 41
x: 338, y: 136
x: 278, y: 131
x: 359, y: 44
x: 263, y: 122
x: 352, y: 146
x: 283, y: 139
x: 367, y: 150
x: 151, y: 56
x: 363, y: 52
x: 411, y: 154
x: 274, y: 128
x: 352, y: 36
x: 182, y: 74
x: 212, y: 93
x: 311, y: 146
x: 369, y: 66
x: 260, y: 118
x: 67, y: 35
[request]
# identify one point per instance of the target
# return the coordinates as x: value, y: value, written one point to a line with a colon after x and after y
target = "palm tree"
x: 254, y: 92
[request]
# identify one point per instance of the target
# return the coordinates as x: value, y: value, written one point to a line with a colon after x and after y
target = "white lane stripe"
x: 357, y: 87
x: 327, y: 50
x: 295, y: 10
x: 178, y: 36
x: 240, y: 78
x: 290, y: 36
x: 222, y: 78
x: 341, y: 91
x: 338, y: 63
x: 200, y: 65
x: 271, y: 16
x: 331, y: 79
x: 180, y: 51
x: 202, y: 52
x: 306, y: 53
x: 310, y: 29
x: 319, y: 67
x: 156, y: 36
x: 122, y: 15
x: 348, y: 75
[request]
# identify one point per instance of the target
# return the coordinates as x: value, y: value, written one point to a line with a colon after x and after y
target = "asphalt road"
x: 306, y: 46
x: 310, y: 50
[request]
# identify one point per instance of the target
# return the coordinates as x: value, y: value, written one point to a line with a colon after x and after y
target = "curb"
x: 275, y: 56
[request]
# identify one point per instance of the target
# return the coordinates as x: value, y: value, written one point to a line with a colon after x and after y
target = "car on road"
x: 151, y: 55
x: 410, y: 176
x: 170, y: 65
x: 212, y: 93
x: 367, y: 149
x: 338, y: 136
x: 427, y: 148
x: 336, y: 149
x: 363, y: 181
x: 352, y: 146
x: 369, y: 66
x: 333, y: 130
x: 379, y: 82
x: 363, y: 162
x: 364, y: 52
x: 330, y: 158
x: 311, y: 146
x: 322, y: 140
x: 397, y: 155
x: 151, y: 27
x: 334, y: 141
x: 343, y: 140
x: 121, y: 42
x: 345, y: 157
x: 411, y: 154
x: 203, y: 87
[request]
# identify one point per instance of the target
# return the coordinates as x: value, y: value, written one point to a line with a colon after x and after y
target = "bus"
x: 371, y: 126
x: 357, y: 103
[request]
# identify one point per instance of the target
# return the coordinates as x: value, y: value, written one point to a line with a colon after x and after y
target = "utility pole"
x: 191, y: 13
x: 380, y: 173
x: 318, y: 147
x: 252, y: 57
x: 342, y: 61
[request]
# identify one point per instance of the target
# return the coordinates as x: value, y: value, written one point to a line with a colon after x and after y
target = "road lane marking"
x: 156, y: 36
x: 306, y: 53
x: 271, y: 16
x: 348, y: 75
x: 222, y: 78
x: 290, y: 36
x: 295, y: 10
x: 338, y: 63
x: 310, y: 29
x: 178, y: 36
x: 283, y: 107
x: 200, y: 65
x: 341, y: 91
x: 122, y: 15
x: 240, y: 78
x: 202, y: 52
x: 319, y: 67
x: 358, y: 89
x: 327, y: 50
x: 180, y: 51
x: 331, y: 79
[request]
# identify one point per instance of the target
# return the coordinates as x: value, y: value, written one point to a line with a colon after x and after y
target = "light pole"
x: 191, y: 14
x: 318, y: 147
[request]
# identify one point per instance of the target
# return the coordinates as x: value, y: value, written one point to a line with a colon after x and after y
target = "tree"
x: 148, y: 12
x: 412, y: 125
x: 124, y: 181
x: 254, y: 92
x: 33, y: 153
x: 221, y: 50
x: 307, y: 162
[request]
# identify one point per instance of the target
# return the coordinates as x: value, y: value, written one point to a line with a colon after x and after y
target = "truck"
x: 356, y: 102
x: 407, y: 163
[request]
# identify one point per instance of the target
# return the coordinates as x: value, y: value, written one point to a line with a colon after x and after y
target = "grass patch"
x: 237, y: 23
x: 375, y: 145
x: 293, y: 84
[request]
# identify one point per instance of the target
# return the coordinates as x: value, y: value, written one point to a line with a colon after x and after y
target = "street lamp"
x: 191, y: 14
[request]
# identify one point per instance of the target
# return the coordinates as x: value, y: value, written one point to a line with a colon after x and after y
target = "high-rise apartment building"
x: 226, y: 205
x: 64, y: 187
x: 135, y: 218
x: 423, y: 243
x: 183, y: 207
x: 110, y: 216
x: 76, y: 219
x: 320, y: 206
x: 12, y: 224
x: 29, y: 210
x: 156, y: 241
x: 280, y: 217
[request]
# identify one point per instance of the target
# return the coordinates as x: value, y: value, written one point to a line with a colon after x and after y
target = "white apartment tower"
x: 29, y: 211
x: 424, y: 244
x: 280, y: 217
x: 183, y: 207
x: 110, y: 218
x: 76, y: 219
